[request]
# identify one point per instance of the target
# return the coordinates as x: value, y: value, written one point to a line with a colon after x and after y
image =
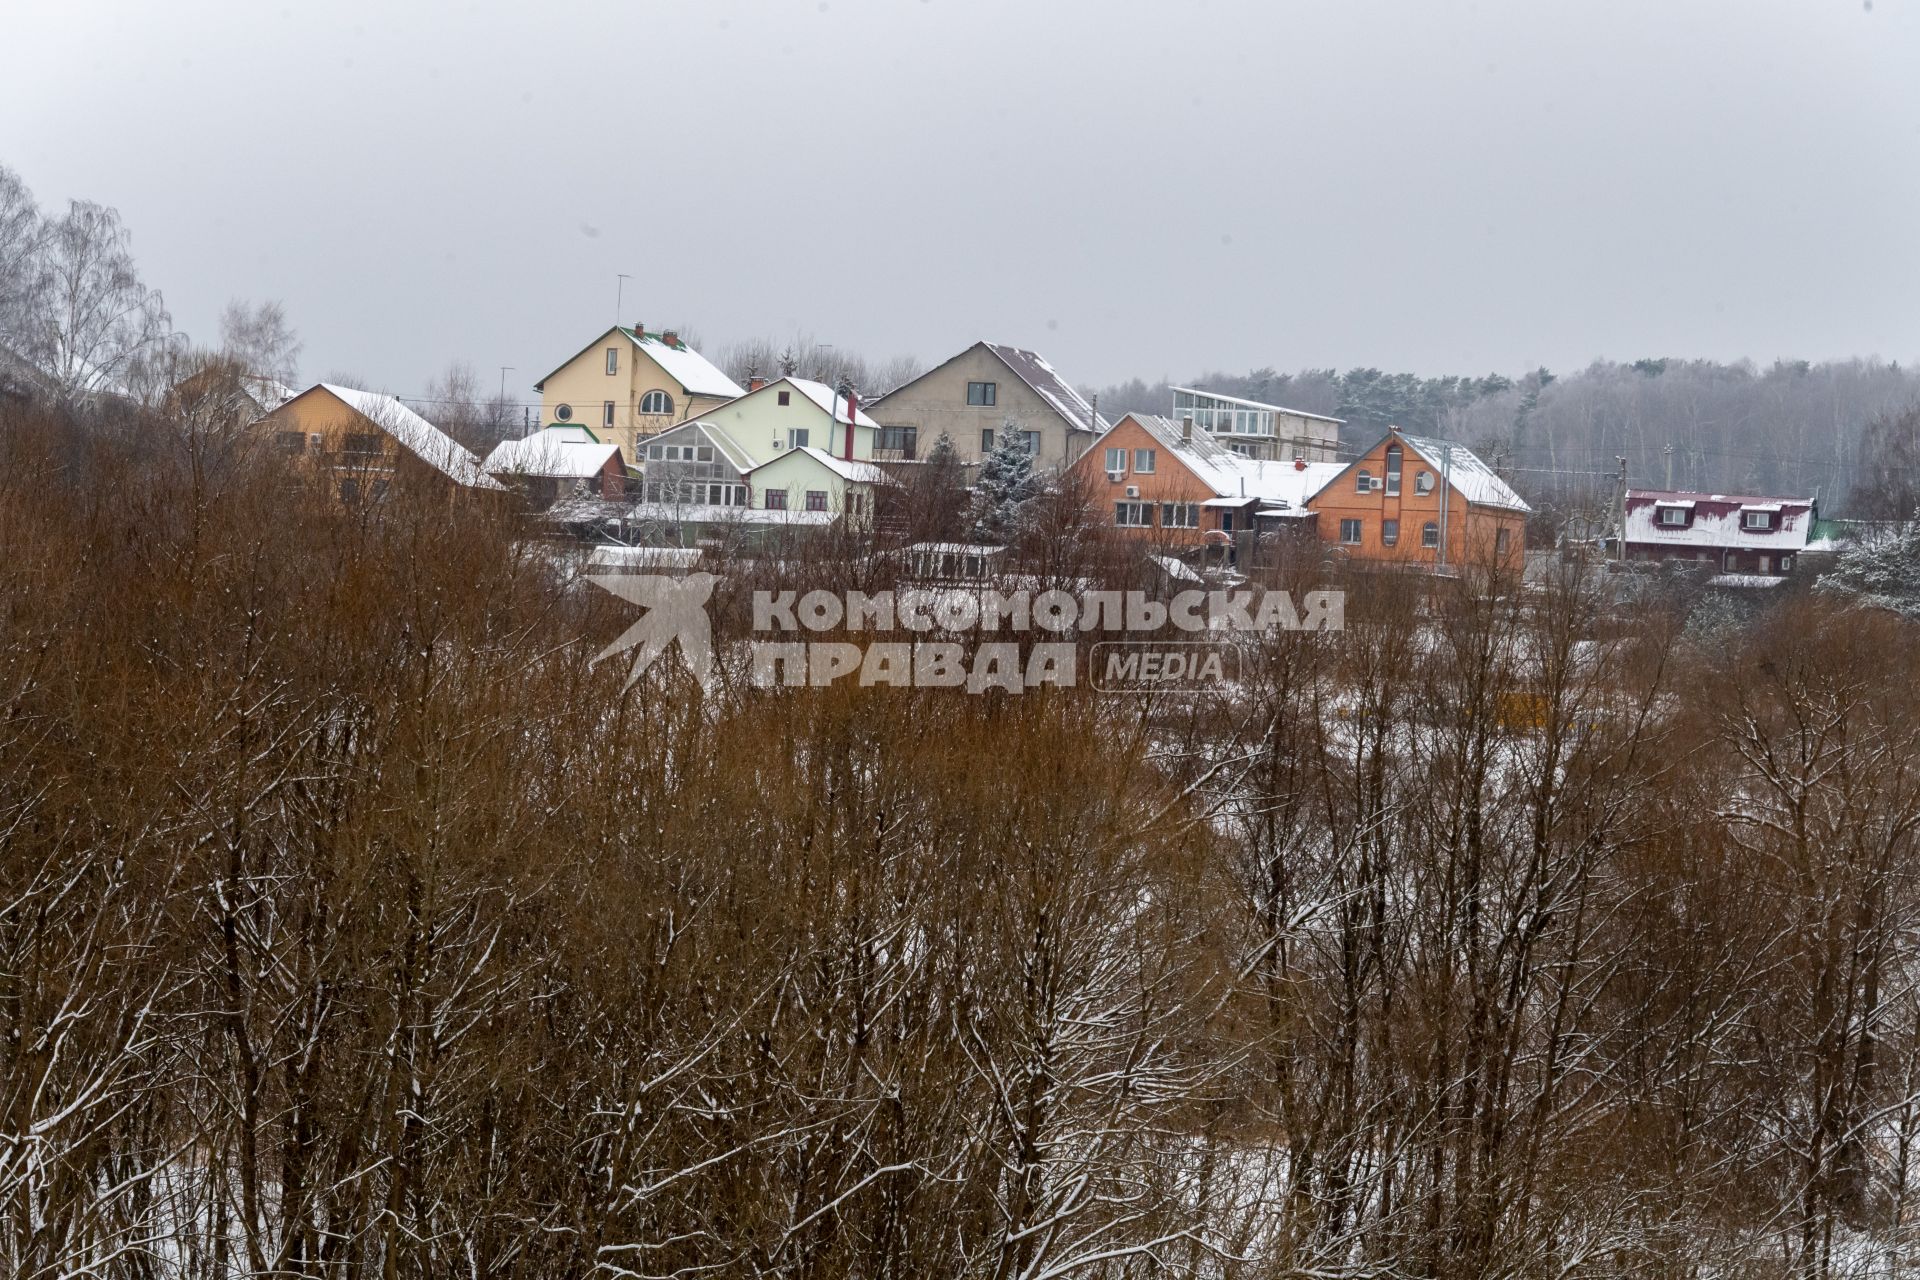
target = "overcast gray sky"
x: 1132, y: 188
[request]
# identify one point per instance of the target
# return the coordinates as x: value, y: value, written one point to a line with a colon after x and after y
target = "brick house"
x: 1734, y: 533
x: 1419, y: 501
x: 1173, y: 484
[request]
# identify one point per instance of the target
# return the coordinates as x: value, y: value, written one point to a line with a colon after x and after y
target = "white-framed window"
x: 1393, y: 469
x: 1423, y: 482
x: 1116, y: 461
x: 1179, y: 515
x: 613, y: 361
x: 1389, y: 533
x: 564, y: 412
x: 1144, y: 459
x: 1673, y: 517
x: 1786, y: 563
x: 606, y: 414
x: 1133, y: 515
x: 656, y: 402
x: 1350, y: 532
x: 983, y: 393
x: 1756, y: 519
x: 796, y: 437
x: 1363, y: 481
x: 1429, y: 534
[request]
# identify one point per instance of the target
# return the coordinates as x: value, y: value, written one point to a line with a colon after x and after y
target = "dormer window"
x: 1673, y: 517
x: 1760, y: 520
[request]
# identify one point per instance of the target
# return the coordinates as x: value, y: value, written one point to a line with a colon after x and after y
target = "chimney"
x: 755, y: 383
x: 1186, y: 431
x: 853, y: 409
x: 1299, y: 464
x: 671, y: 338
x: 639, y: 328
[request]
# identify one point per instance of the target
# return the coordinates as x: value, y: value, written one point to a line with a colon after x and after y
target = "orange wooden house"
x: 1419, y: 501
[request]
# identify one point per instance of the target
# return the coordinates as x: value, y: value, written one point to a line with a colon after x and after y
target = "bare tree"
x: 259, y: 339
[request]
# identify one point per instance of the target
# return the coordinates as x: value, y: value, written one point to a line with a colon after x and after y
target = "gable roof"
x: 1040, y: 377
x: 1476, y: 481
x: 1232, y: 476
x: 411, y: 432
x: 856, y: 471
x: 696, y: 375
x: 567, y: 453
x: 831, y: 402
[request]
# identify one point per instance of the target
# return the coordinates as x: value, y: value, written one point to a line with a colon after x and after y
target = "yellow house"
x: 629, y: 384
x: 360, y: 440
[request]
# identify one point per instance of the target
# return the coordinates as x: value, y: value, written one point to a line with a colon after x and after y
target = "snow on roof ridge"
x: 1466, y: 471
x: 414, y: 434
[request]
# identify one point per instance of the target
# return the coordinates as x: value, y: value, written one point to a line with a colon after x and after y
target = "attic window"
x: 985, y: 393
x: 1362, y: 481
x: 1673, y: 517
x: 613, y: 361
x: 1423, y: 483
x: 786, y: 397
x: 564, y: 412
x: 1756, y: 519
x: 656, y: 402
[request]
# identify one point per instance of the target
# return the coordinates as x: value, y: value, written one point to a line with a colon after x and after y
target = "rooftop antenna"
x: 619, y: 293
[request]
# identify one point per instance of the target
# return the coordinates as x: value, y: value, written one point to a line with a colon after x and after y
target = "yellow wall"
x: 937, y: 402
x: 584, y: 384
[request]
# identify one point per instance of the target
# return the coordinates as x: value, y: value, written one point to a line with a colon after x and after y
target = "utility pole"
x: 619, y: 294
x: 1669, y: 452
x: 1620, y: 511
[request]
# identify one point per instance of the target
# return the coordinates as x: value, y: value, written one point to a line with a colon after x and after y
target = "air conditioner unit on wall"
x: 1378, y: 483
x: 1113, y: 477
x: 1133, y: 491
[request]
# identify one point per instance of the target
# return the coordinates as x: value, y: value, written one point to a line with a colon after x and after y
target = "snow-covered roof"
x: 1046, y: 382
x: 1476, y: 481
x: 414, y: 434
x: 569, y: 453
x: 829, y: 400
x: 644, y: 557
x: 1175, y: 568
x: 707, y: 513
x: 956, y: 548
x: 1257, y: 404
x: 700, y: 376
x: 1233, y: 478
x: 694, y: 372
x: 268, y: 393
x: 1714, y: 520
x: 856, y: 471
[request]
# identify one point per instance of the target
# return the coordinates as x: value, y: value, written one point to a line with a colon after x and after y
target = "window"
x: 1423, y: 483
x: 786, y: 397
x: 361, y: 446
x: 1429, y: 534
x: 1032, y: 440
x: 1143, y: 460
x: 986, y: 439
x: 606, y: 414
x: 900, y: 440
x: 564, y: 412
x: 613, y: 361
x: 776, y: 499
x: 1502, y: 539
x: 796, y: 437
x: 1116, y: 462
x: 982, y: 392
x: 1350, y: 532
x: 1226, y: 522
x: 1786, y: 563
x: 653, y: 452
x: 816, y: 499
x: 1390, y: 533
x: 1363, y: 481
x: 1673, y: 517
x: 1756, y: 519
x: 1133, y: 515
x: 1393, y: 470
x: 1179, y: 515
x: 856, y: 502
x: 656, y: 402
x: 349, y: 491
x: 291, y: 441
